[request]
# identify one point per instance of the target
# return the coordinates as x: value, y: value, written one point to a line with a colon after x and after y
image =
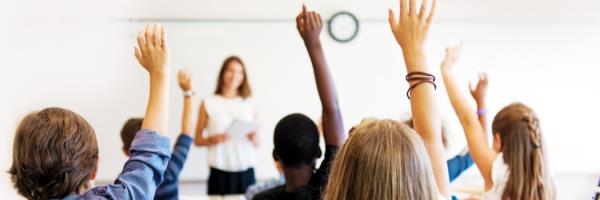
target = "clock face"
x: 343, y: 27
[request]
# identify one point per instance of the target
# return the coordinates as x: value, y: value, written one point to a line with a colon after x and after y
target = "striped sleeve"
x: 169, y: 187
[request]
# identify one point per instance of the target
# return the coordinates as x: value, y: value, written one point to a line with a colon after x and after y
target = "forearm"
x: 427, y: 119
x: 332, y: 119
x: 186, y: 118
x: 481, y: 114
x: 157, y: 112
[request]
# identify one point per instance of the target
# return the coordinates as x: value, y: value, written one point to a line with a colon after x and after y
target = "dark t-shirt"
x: 311, y: 191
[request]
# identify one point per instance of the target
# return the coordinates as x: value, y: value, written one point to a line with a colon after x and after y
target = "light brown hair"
x: 384, y: 160
x: 244, y: 89
x: 523, y: 152
x: 54, y: 154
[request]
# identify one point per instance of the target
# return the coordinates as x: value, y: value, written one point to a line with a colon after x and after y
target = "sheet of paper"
x: 239, y: 129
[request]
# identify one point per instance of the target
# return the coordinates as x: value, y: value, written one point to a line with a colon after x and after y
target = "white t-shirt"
x: 500, y: 176
x: 231, y: 155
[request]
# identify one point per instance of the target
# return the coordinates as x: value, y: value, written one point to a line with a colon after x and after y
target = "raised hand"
x: 309, y: 25
x: 412, y: 27
x: 185, y: 80
x: 153, y: 55
x: 152, y: 51
x: 452, y: 55
x: 478, y: 92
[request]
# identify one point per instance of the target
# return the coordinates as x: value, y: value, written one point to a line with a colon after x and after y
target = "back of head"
x: 296, y: 141
x: 54, y: 154
x: 523, y: 152
x: 382, y: 159
x: 131, y: 127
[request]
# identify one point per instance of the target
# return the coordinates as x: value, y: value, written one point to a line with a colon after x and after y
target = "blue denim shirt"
x: 142, y: 174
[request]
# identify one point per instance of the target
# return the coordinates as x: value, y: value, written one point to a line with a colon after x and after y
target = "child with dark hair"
x: 55, y: 152
x: 168, y: 189
x: 297, y: 137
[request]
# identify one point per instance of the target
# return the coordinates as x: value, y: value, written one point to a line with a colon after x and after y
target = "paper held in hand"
x: 239, y: 129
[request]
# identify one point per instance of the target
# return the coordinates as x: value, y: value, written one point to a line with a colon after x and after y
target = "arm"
x: 482, y: 154
x: 309, y: 26
x: 144, y: 170
x: 153, y: 54
x: 185, y: 83
x: 410, y: 32
x: 199, y: 139
x: 478, y: 94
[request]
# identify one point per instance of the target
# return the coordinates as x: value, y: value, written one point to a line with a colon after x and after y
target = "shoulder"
x: 268, y: 194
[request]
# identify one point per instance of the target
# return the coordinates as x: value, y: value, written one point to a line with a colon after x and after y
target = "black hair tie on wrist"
x: 419, y: 83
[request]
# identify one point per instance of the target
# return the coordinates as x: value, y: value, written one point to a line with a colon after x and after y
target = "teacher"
x: 231, y: 159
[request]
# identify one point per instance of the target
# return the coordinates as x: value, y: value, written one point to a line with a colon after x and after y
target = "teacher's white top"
x: 231, y: 155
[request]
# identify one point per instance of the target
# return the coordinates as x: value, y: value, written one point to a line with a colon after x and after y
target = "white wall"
x: 80, y: 56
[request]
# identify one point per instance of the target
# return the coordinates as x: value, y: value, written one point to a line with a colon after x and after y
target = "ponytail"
x: 523, y: 152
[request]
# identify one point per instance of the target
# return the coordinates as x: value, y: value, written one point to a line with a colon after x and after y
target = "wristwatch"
x: 189, y: 93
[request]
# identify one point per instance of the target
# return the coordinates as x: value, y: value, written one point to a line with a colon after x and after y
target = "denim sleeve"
x: 168, y: 189
x: 458, y: 165
x: 143, y: 172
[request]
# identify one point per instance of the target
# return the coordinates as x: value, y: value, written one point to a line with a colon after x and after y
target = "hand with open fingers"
x: 152, y: 49
x: 412, y: 26
x: 309, y: 24
x: 185, y: 80
x: 451, y: 58
x: 478, y: 92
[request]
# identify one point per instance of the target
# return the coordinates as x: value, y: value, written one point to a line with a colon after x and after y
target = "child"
x: 515, y: 168
x: 168, y: 189
x: 55, y: 152
x: 297, y: 137
x: 385, y: 159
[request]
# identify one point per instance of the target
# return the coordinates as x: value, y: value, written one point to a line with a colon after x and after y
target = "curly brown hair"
x: 55, y: 153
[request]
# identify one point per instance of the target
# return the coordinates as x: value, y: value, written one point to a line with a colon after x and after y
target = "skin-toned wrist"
x: 313, y: 43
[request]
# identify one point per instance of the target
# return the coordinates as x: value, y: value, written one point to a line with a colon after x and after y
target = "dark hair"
x: 523, y: 152
x: 131, y: 127
x: 296, y: 141
x: 244, y: 89
x: 54, y: 154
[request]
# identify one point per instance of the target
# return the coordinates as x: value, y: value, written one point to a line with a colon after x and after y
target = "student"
x: 168, y: 189
x: 515, y: 167
x: 297, y: 137
x: 231, y: 161
x: 385, y: 159
x: 55, y: 152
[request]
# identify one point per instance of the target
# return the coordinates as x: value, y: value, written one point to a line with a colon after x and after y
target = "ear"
x: 275, y: 156
x: 95, y: 172
x: 125, y: 151
x: 497, y: 143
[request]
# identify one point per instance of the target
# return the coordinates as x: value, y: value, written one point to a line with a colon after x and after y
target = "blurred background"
x: 79, y: 55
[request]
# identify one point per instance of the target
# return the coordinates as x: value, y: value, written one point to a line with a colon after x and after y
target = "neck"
x: 296, y: 178
x: 229, y: 93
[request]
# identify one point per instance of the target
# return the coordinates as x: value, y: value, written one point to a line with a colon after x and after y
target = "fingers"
x: 157, y: 37
x: 423, y: 9
x: 149, y: 34
x: 413, y: 7
x: 141, y: 39
x: 403, y: 8
x: 138, y: 53
x: 431, y: 13
x: 319, y: 20
x: 391, y: 19
x: 163, y: 38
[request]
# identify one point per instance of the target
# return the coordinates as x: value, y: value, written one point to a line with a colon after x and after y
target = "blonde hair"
x: 384, y: 160
x: 523, y: 152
